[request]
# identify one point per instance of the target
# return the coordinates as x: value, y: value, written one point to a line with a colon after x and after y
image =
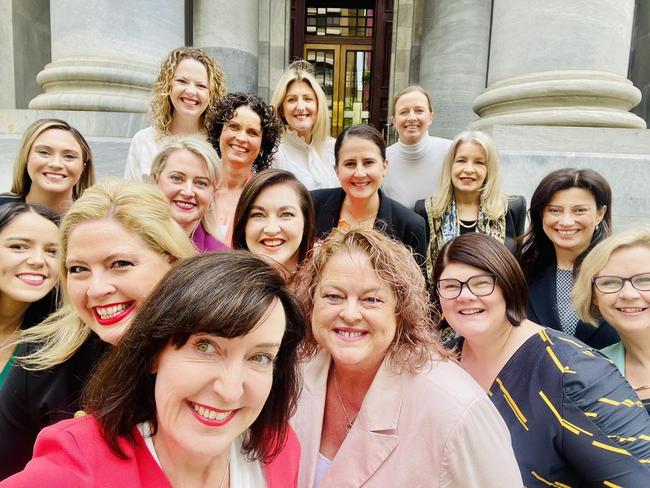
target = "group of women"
x: 308, y: 351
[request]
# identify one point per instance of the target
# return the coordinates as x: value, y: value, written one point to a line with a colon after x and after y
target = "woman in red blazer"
x: 198, y: 392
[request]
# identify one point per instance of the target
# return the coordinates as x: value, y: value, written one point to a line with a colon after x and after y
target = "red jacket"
x: 72, y: 453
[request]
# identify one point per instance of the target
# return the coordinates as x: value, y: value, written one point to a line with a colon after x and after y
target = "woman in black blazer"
x: 570, y: 212
x: 361, y: 165
x: 469, y: 198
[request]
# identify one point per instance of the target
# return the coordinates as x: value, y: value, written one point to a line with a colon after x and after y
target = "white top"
x: 243, y: 473
x: 322, y: 466
x: 314, y: 170
x: 142, y: 150
x: 414, y: 170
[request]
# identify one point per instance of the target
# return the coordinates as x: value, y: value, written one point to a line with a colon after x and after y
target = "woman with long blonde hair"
x: 189, y: 81
x: 115, y: 243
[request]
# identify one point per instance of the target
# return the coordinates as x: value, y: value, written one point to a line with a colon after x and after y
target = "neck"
x: 362, y: 209
x: 305, y: 137
x: 353, y: 381
x: 182, y: 124
x: 190, y: 469
x: 11, y: 316
x: 488, y: 347
x: 466, y: 199
x: 565, y: 258
x: 637, y: 348
x: 190, y: 227
x: 415, y: 143
x: 235, y: 177
x: 59, y: 202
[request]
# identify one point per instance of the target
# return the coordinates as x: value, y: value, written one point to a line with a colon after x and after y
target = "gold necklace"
x: 338, y: 394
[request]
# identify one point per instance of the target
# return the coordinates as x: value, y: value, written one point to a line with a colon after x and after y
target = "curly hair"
x: 221, y: 112
x: 161, y: 106
x: 415, y: 343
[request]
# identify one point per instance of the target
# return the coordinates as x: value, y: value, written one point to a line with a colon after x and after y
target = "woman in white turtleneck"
x: 416, y: 158
x: 306, y: 149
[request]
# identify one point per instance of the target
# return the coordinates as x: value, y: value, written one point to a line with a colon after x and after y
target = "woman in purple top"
x: 188, y: 171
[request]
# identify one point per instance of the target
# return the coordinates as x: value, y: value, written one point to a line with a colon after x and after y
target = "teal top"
x: 616, y: 352
x: 5, y: 371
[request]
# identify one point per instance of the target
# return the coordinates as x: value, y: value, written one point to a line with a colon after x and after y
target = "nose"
x: 469, y: 168
x: 55, y: 161
x: 188, y: 188
x: 190, y: 88
x: 350, y: 312
x: 567, y: 218
x: 229, y: 384
x: 99, y: 286
x: 272, y: 226
x: 411, y: 115
x: 466, y: 293
x: 628, y: 291
x: 36, y: 258
x: 300, y: 104
x: 359, y: 171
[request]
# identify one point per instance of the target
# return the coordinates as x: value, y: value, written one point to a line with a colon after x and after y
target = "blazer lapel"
x: 373, y: 436
x: 327, y: 216
x: 543, y: 298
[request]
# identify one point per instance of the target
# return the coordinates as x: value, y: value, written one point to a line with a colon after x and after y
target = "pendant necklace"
x: 338, y: 394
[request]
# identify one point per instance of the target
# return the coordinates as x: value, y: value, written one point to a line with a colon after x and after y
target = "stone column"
x: 560, y: 63
x: 229, y: 32
x: 105, y: 56
x: 453, y: 60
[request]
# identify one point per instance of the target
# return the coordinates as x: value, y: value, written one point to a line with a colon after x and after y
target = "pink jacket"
x: 72, y: 453
x: 436, y: 428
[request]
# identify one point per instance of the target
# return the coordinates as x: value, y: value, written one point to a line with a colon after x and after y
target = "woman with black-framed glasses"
x: 614, y: 284
x: 573, y: 420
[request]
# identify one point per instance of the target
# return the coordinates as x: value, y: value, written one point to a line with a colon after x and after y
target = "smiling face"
x: 412, y: 117
x: 28, y: 264
x: 354, y: 312
x: 190, y: 92
x: 110, y: 273
x: 473, y: 316
x: 300, y: 108
x: 185, y: 181
x: 241, y: 138
x: 627, y: 310
x: 570, y: 218
x: 275, y: 225
x: 55, y: 162
x: 212, y: 389
x: 469, y: 169
x: 360, y: 167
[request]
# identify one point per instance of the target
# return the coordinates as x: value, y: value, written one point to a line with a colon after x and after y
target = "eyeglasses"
x: 613, y: 284
x: 479, y: 285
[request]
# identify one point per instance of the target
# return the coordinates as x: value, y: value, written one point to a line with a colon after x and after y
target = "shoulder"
x: 323, y: 194
x: 440, y: 142
x: 404, y: 214
x: 516, y: 203
x: 9, y: 197
x: 420, y: 208
x: 283, y: 470
x: 146, y: 134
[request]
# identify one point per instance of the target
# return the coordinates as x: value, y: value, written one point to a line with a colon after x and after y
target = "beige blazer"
x: 434, y: 429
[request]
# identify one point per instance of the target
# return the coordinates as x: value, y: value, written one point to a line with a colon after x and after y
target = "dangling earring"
x: 597, y: 227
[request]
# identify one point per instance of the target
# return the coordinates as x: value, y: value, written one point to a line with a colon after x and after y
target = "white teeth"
x: 209, y: 414
x: 109, y: 312
x: 239, y: 149
x: 631, y: 309
x: 346, y: 333
x: 471, y: 312
x: 33, y: 278
x: 273, y: 242
x: 184, y: 205
x: 54, y: 176
x: 566, y: 233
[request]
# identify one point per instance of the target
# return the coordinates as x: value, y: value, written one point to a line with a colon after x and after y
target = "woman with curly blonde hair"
x: 115, y: 243
x: 306, y: 148
x: 188, y: 82
x: 383, y: 403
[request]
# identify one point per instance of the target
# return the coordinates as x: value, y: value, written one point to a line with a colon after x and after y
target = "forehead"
x: 107, y: 237
x: 32, y: 225
x: 185, y: 160
x: 572, y: 197
x: 191, y: 67
x: 470, y: 147
x: 412, y: 99
x: 635, y: 258
x: 352, y: 268
x: 460, y: 271
x: 55, y: 137
x: 247, y: 116
x: 300, y: 87
x: 278, y: 194
x: 353, y: 146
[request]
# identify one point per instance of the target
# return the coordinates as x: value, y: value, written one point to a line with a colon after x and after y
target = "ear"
x: 601, y: 213
x: 385, y: 168
x: 392, y: 120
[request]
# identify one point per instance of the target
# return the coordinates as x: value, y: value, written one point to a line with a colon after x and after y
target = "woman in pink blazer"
x: 197, y: 393
x: 383, y: 404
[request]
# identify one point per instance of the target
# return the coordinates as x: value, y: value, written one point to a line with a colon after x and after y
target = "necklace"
x: 466, y: 226
x: 225, y: 473
x: 338, y: 394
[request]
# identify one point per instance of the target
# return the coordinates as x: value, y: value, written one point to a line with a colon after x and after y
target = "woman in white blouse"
x: 306, y: 148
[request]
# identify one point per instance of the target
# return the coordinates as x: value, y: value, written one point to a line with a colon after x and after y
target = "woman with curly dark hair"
x: 245, y: 131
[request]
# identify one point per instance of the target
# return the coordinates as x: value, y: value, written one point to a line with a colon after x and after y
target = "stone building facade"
x: 556, y: 83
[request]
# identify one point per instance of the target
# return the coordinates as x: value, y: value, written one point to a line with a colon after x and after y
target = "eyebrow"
x: 265, y: 345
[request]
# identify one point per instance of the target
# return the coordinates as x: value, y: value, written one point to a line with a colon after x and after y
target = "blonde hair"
x: 138, y: 207
x: 161, y: 106
x: 410, y: 89
x: 203, y: 150
x: 492, y: 201
x: 415, y: 344
x: 22, y: 183
x: 596, y: 260
x: 302, y: 70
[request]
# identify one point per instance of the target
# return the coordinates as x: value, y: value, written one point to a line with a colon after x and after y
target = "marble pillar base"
x: 622, y: 156
x: 97, y: 84
x: 567, y: 98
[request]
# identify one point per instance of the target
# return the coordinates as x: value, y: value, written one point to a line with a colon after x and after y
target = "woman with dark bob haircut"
x: 199, y: 391
x: 570, y: 212
x: 570, y: 413
x: 275, y: 218
x: 245, y: 131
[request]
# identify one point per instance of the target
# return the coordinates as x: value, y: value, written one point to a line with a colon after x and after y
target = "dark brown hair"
x: 225, y: 108
x: 251, y: 191
x: 222, y: 293
x: 484, y: 252
x: 367, y: 132
x: 536, y: 250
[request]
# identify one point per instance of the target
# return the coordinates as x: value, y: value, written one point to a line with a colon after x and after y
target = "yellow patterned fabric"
x: 573, y: 419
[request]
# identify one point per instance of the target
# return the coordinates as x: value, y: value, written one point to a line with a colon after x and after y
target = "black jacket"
x: 31, y: 400
x: 542, y: 309
x: 393, y: 218
x: 515, y: 219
